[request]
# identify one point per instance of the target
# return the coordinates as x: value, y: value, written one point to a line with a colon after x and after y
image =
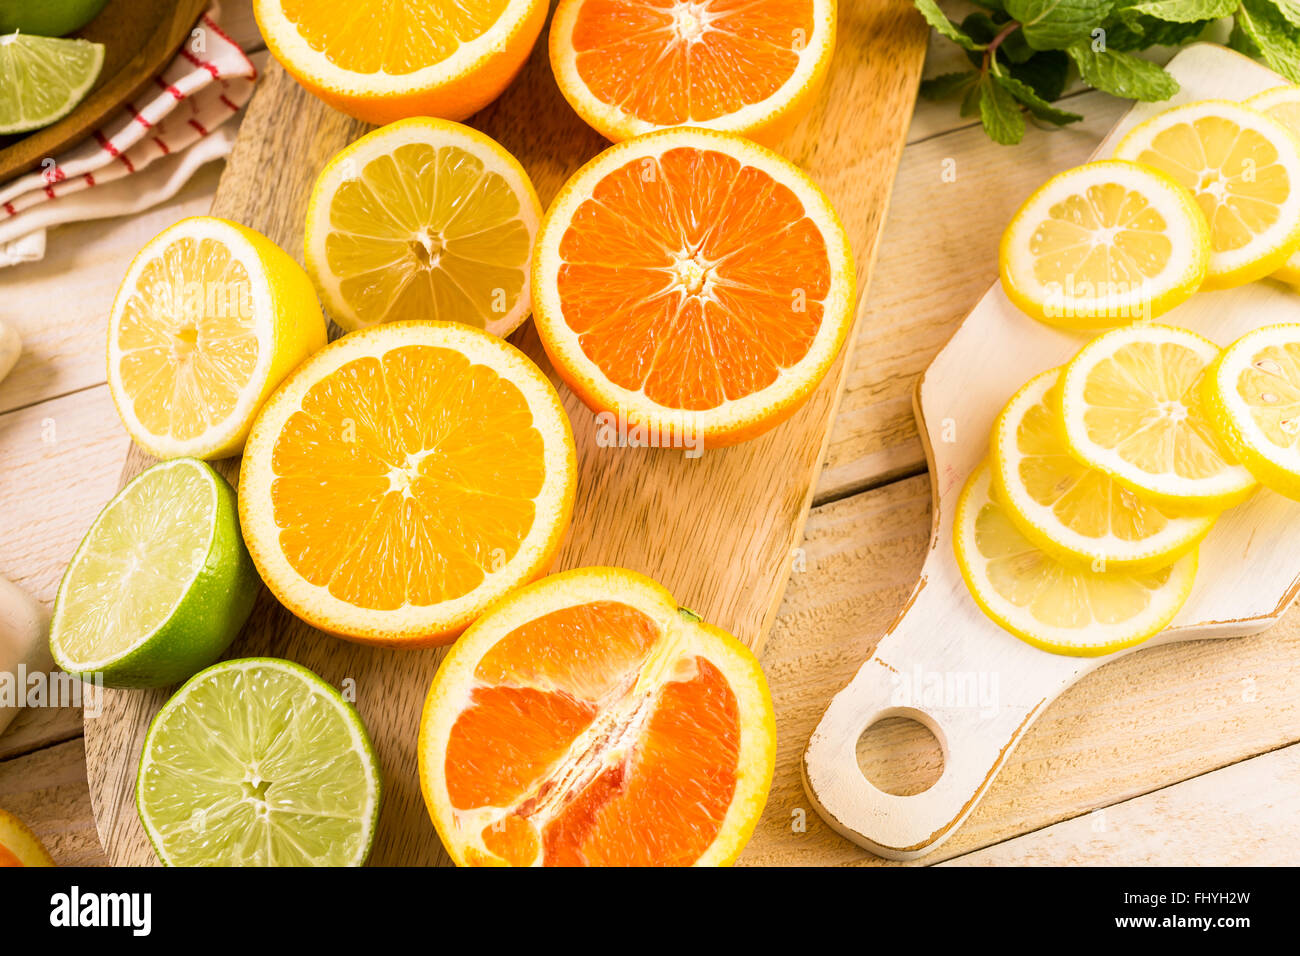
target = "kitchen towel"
x: 143, y: 154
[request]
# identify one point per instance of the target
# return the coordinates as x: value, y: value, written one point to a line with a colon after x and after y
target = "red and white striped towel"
x: 207, y: 83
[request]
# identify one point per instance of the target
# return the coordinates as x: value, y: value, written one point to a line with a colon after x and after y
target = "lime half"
x: 48, y: 18
x: 258, y: 762
x: 160, y: 585
x: 43, y: 79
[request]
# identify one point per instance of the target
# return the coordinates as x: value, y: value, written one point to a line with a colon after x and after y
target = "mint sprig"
x: 1021, y: 51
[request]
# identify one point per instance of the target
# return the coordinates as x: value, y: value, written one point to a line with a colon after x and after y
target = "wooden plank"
x: 238, y: 22
x: 1247, y: 814
x: 1140, y: 723
x: 733, y: 572
x: 47, y: 791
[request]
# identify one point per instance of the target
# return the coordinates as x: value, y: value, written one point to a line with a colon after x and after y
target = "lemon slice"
x: 1244, y: 170
x: 423, y: 219
x: 1283, y: 105
x: 209, y: 320
x: 1104, y: 244
x: 1252, y: 392
x: 1131, y: 404
x: 1073, y: 512
x: 1058, y: 606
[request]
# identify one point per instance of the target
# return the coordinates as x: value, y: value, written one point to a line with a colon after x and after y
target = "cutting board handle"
x: 946, y: 666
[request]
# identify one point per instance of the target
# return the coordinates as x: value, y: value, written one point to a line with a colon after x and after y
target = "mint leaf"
x: 1187, y: 11
x: 1122, y: 74
x: 939, y: 20
x: 1289, y: 9
x: 1273, y: 35
x: 1046, y: 72
x: 1025, y: 94
x: 947, y: 84
x: 999, y: 112
x: 1055, y: 24
x: 1131, y: 31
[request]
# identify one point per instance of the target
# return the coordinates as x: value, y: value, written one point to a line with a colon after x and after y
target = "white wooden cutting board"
x: 1249, y: 565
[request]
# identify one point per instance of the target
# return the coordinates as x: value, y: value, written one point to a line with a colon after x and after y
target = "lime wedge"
x: 160, y: 585
x: 258, y: 762
x: 43, y: 79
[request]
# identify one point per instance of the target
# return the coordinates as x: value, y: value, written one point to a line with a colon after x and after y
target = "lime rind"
x: 258, y: 761
x: 161, y: 583
x: 43, y: 79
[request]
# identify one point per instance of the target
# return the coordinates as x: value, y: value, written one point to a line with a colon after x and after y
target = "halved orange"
x: 692, y: 282
x: 380, y: 60
x: 19, y: 846
x: 587, y: 720
x: 403, y: 479
x: 749, y: 66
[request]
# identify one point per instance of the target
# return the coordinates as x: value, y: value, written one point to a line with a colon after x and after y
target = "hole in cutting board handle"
x: 901, y: 752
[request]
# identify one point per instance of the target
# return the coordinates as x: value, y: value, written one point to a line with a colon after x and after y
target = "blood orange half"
x: 587, y: 720
x: 692, y: 281
x: 748, y: 66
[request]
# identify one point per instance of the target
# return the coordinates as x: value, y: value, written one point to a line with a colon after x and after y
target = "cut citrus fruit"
x: 1058, y: 606
x: 160, y: 585
x: 42, y: 79
x: 1073, y: 512
x: 1252, y: 392
x: 423, y: 219
x: 1131, y: 403
x: 49, y: 18
x: 209, y: 320
x: 1103, y: 244
x: 258, y: 762
x: 692, y: 282
x: 1244, y: 170
x: 748, y: 66
x: 382, y: 61
x: 1283, y: 105
x: 19, y: 846
x: 403, y: 479
x: 587, y: 720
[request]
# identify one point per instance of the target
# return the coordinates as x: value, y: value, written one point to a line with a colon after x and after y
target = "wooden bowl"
x: 140, y: 38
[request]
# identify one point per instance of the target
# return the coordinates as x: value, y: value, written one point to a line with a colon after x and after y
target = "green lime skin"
x: 48, y: 18
x: 205, y: 621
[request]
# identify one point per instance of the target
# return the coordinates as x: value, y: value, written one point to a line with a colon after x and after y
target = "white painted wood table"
x: 1182, y: 754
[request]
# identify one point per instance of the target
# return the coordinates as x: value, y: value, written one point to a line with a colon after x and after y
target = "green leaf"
x: 1122, y: 74
x: 947, y: 84
x: 1046, y: 72
x: 1044, y: 110
x: 1289, y: 9
x: 970, y: 103
x: 1186, y: 11
x: 939, y: 20
x: 1000, y: 113
x: 1130, y: 31
x: 1275, y: 38
x: 1055, y: 24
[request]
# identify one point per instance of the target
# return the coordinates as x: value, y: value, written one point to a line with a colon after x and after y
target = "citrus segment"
x: 1073, y: 512
x: 209, y: 319
x: 1133, y: 409
x: 751, y: 67
x: 381, y: 60
x: 585, y: 721
x: 404, y: 478
x: 1253, y: 393
x: 42, y: 79
x: 1102, y: 244
x: 258, y: 762
x: 1058, y: 606
x: 423, y: 219
x: 1283, y: 105
x: 1244, y: 170
x: 160, y: 585
x: 19, y: 846
x: 690, y: 280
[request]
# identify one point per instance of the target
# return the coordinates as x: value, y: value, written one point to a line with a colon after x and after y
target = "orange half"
x: 748, y: 66
x: 690, y: 281
x: 385, y: 60
x: 19, y: 846
x: 587, y: 720
x: 403, y: 479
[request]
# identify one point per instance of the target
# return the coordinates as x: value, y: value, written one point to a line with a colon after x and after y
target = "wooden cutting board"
x: 719, y: 531
x: 943, y: 663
